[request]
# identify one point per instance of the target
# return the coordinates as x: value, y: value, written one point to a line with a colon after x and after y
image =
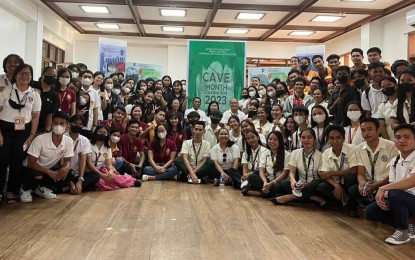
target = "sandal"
x: 11, y: 198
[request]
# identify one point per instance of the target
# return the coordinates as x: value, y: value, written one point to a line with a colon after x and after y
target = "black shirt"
x: 50, y: 104
x: 349, y: 94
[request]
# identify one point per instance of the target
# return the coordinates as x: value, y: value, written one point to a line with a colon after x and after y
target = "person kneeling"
x: 48, y: 161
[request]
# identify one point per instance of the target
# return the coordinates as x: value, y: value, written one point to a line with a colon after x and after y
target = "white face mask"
x: 271, y: 93
x: 82, y: 101
x: 262, y: 92
x: 75, y: 74
x: 109, y: 86
x: 64, y: 81
x: 58, y: 130
x: 354, y: 115
x: 162, y: 135
x: 126, y: 90
x: 116, y: 91
x: 86, y: 82
x: 319, y: 118
x: 299, y: 119
x: 252, y: 93
x: 114, y: 139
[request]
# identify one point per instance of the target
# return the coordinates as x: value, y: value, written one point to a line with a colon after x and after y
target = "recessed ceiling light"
x: 250, y: 16
x: 327, y: 18
x: 358, y: 0
x: 107, y: 25
x: 172, y: 29
x: 237, y: 31
x: 173, y: 12
x: 95, y: 9
x: 301, y: 33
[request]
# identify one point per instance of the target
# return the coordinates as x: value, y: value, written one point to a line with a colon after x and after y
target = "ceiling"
x: 210, y: 19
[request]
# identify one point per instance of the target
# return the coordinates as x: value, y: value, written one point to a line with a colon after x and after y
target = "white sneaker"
x: 398, y: 238
x: 411, y: 230
x: 45, y: 193
x: 25, y: 195
x: 144, y: 177
x: 244, y: 183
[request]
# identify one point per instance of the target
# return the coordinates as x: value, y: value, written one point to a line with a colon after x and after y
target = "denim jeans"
x: 169, y: 174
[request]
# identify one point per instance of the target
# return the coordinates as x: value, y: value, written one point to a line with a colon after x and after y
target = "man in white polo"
x: 43, y: 164
x: 234, y: 111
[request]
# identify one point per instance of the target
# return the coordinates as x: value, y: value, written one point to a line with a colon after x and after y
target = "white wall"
x: 343, y: 44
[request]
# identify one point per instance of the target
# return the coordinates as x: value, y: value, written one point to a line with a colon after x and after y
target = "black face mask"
x: 304, y: 67
x: 14, y: 104
x: 76, y: 129
x: 101, y: 137
x: 215, y: 120
x: 407, y: 86
x: 50, y: 80
x: 359, y: 83
x: 389, y: 91
x: 343, y: 79
x: 252, y: 113
x: 279, y: 93
x: 245, y: 96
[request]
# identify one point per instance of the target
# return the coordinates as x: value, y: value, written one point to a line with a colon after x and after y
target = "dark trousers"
x: 277, y: 189
x: 207, y: 170
x: 402, y: 207
x: 325, y: 189
x: 236, y: 176
x: 356, y: 197
x: 309, y: 190
x: 12, y: 155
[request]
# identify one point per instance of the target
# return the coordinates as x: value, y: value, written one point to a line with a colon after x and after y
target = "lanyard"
x: 351, y: 136
x: 408, y: 109
x: 64, y: 95
x: 372, y: 163
x: 307, y: 166
x: 97, y: 157
x: 339, y: 168
x: 255, y: 159
x: 24, y: 98
x: 76, y: 145
x: 274, y: 161
x: 198, y: 151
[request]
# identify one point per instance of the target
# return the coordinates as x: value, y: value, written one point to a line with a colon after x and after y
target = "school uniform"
x: 265, y: 129
x: 161, y: 158
x: 94, y: 102
x: 385, y: 111
x: 131, y: 150
x: 253, y: 163
x: 225, y: 159
x: 267, y: 161
x: 228, y: 113
x: 353, y: 135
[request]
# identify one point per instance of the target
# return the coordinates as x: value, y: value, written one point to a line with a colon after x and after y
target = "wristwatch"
x: 82, y: 179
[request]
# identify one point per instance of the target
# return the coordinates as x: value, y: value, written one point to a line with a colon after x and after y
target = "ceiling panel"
x: 264, y: 2
x: 284, y: 34
x: 377, y: 4
x: 214, y: 31
x: 228, y: 16
x: 305, y: 19
x: 123, y: 27
x: 153, y: 13
x: 116, y: 11
x: 188, y: 30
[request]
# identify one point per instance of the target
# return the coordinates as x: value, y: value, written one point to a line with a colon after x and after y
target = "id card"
x: 19, y: 123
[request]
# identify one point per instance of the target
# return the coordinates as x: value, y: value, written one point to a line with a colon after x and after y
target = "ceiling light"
x: 95, y: 9
x: 327, y: 18
x: 237, y: 31
x: 173, y: 12
x: 301, y: 33
x: 172, y: 29
x: 250, y: 16
x: 107, y: 25
x: 358, y: 0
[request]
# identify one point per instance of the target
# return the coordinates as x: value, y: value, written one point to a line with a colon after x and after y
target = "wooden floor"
x: 169, y: 220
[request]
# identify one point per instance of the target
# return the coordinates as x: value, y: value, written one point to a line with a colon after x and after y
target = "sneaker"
x: 411, y: 230
x: 137, y: 183
x: 45, y: 193
x: 144, y: 177
x: 25, y: 195
x: 398, y: 238
x: 245, y: 190
x: 244, y: 183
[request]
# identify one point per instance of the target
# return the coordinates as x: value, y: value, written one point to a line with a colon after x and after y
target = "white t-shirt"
x: 225, y: 158
x: 267, y: 161
x: 376, y: 97
x: 99, y: 156
x: 308, y: 166
x: 47, y: 154
x: 228, y: 113
x: 253, y: 162
x: 404, y: 169
x: 81, y: 146
x: 346, y: 160
x: 30, y: 98
x: 199, y: 150
x: 94, y: 102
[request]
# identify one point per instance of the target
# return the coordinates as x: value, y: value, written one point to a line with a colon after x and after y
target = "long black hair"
x: 93, y: 138
x: 248, y: 147
x: 279, y: 163
x: 347, y: 121
x: 156, y: 142
x: 402, y: 98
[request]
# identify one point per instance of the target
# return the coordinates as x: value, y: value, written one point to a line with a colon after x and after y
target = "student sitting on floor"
x: 44, y: 168
x: 195, y: 164
x: 225, y: 156
x: 305, y: 164
x: 395, y: 202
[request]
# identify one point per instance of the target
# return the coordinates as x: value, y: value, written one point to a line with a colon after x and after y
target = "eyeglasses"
x: 224, y: 157
x: 25, y: 74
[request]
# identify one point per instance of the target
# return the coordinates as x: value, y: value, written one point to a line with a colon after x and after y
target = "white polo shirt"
x: 346, y: 160
x: 81, y: 146
x: 386, y: 151
x: 99, y: 104
x: 253, y: 162
x: 228, y: 113
x: 242, y: 146
x: 267, y: 161
x: 225, y: 161
x: 201, y: 150
x: 296, y: 140
x: 385, y: 111
x: 210, y: 135
x: 30, y: 98
x: 4, y: 81
x: 353, y: 135
x: 47, y: 154
x: 376, y: 97
x: 202, y: 114
x: 99, y: 156
x: 265, y: 129
x: 404, y: 169
x: 94, y: 102
x: 311, y: 163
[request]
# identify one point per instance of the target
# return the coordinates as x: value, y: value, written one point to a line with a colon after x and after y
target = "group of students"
x: 322, y: 136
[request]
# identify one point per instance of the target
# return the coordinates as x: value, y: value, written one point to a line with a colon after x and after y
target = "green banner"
x: 216, y: 71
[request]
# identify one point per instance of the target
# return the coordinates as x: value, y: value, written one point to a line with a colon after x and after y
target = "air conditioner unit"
x: 410, y: 18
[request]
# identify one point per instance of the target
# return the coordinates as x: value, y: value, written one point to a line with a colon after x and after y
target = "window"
x: 51, y: 55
